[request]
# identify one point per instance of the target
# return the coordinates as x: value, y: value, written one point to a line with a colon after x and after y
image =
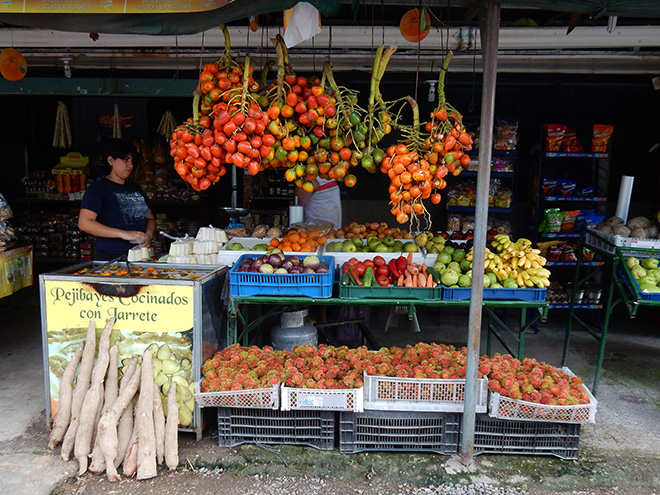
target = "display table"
x: 15, y: 270
x: 240, y: 328
x: 616, y: 290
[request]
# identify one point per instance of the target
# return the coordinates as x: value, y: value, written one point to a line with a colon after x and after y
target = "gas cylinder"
x: 293, y: 330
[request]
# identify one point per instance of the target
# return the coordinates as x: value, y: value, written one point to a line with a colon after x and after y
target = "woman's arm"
x: 151, y: 228
x: 87, y: 223
x: 303, y: 196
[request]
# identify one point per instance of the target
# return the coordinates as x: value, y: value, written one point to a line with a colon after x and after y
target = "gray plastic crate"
x: 274, y: 427
x: 401, y: 431
x: 504, y: 436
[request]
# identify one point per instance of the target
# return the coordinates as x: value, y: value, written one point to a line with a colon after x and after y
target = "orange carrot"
x: 429, y: 281
x: 400, y: 281
x: 410, y: 258
x: 422, y: 279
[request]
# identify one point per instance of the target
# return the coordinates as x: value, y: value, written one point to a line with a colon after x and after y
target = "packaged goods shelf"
x: 588, y: 199
x: 574, y: 263
x: 560, y: 235
x: 563, y: 154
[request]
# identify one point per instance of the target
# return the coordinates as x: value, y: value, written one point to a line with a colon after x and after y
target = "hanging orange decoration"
x: 12, y: 64
x: 415, y: 25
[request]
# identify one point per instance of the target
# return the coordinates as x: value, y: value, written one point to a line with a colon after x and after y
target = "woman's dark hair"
x: 119, y: 148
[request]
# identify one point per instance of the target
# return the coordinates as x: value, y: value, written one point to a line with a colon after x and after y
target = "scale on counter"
x: 234, y: 214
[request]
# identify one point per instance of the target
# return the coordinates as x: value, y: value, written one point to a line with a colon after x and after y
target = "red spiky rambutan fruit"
x: 309, y: 383
x: 484, y: 368
x: 515, y: 394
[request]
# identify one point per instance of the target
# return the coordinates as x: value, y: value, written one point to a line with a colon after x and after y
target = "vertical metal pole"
x: 489, y: 27
x: 234, y: 187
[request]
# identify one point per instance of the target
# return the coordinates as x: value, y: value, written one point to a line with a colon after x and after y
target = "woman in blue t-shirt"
x: 114, y: 209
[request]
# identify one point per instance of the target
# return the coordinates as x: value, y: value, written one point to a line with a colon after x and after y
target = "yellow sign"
x: 148, y: 308
x: 109, y: 6
x: 15, y: 270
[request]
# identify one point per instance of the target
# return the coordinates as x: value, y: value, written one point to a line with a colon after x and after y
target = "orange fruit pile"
x: 298, y: 241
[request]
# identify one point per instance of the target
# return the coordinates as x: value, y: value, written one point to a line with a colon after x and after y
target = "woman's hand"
x: 136, y: 237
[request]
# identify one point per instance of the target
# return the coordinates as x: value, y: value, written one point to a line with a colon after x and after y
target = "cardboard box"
x: 15, y: 270
x: 73, y: 163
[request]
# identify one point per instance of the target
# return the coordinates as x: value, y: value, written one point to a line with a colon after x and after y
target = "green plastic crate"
x: 391, y: 292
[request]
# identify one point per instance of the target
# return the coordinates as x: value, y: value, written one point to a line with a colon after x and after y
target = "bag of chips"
x: 601, y: 136
x: 554, y: 134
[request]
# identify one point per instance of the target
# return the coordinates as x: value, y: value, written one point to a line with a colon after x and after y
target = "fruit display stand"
x: 241, y: 330
x: 177, y: 305
x: 619, y: 288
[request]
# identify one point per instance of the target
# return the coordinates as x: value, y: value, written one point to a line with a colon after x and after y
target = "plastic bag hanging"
x: 62, y: 136
x: 116, y: 124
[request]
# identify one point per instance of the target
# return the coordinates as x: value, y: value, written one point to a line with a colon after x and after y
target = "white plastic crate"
x: 350, y: 399
x: 420, y: 394
x: 258, y: 398
x: 609, y: 242
x: 228, y: 257
x: 507, y: 408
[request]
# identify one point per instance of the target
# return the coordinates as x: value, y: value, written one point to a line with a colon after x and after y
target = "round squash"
x: 12, y: 64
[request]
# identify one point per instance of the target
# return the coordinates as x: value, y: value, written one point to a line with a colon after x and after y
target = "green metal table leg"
x: 606, y: 323
x: 571, y: 309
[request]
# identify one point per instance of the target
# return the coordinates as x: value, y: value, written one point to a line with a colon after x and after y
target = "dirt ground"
x: 249, y: 469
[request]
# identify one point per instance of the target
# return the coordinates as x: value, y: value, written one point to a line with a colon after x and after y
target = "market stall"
x: 207, y: 145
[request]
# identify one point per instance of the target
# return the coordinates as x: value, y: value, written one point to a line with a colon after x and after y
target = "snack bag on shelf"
x: 567, y: 186
x: 601, y: 136
x: 570, y: 143
x: 505, y: 137
x: 453, y: 223
x: 502, y: 164
x: 568, y: 222
x: 549, y: 186
x: 554, y: 134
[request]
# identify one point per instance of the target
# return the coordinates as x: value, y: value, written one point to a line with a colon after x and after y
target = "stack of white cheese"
x: 200, y: 250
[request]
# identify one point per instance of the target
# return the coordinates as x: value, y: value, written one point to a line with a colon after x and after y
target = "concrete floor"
x: 628, y: 397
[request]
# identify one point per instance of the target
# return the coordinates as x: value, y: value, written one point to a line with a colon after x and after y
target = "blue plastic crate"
x: 633, y: 286
x: 274, y: 284
x: 463, y: 294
